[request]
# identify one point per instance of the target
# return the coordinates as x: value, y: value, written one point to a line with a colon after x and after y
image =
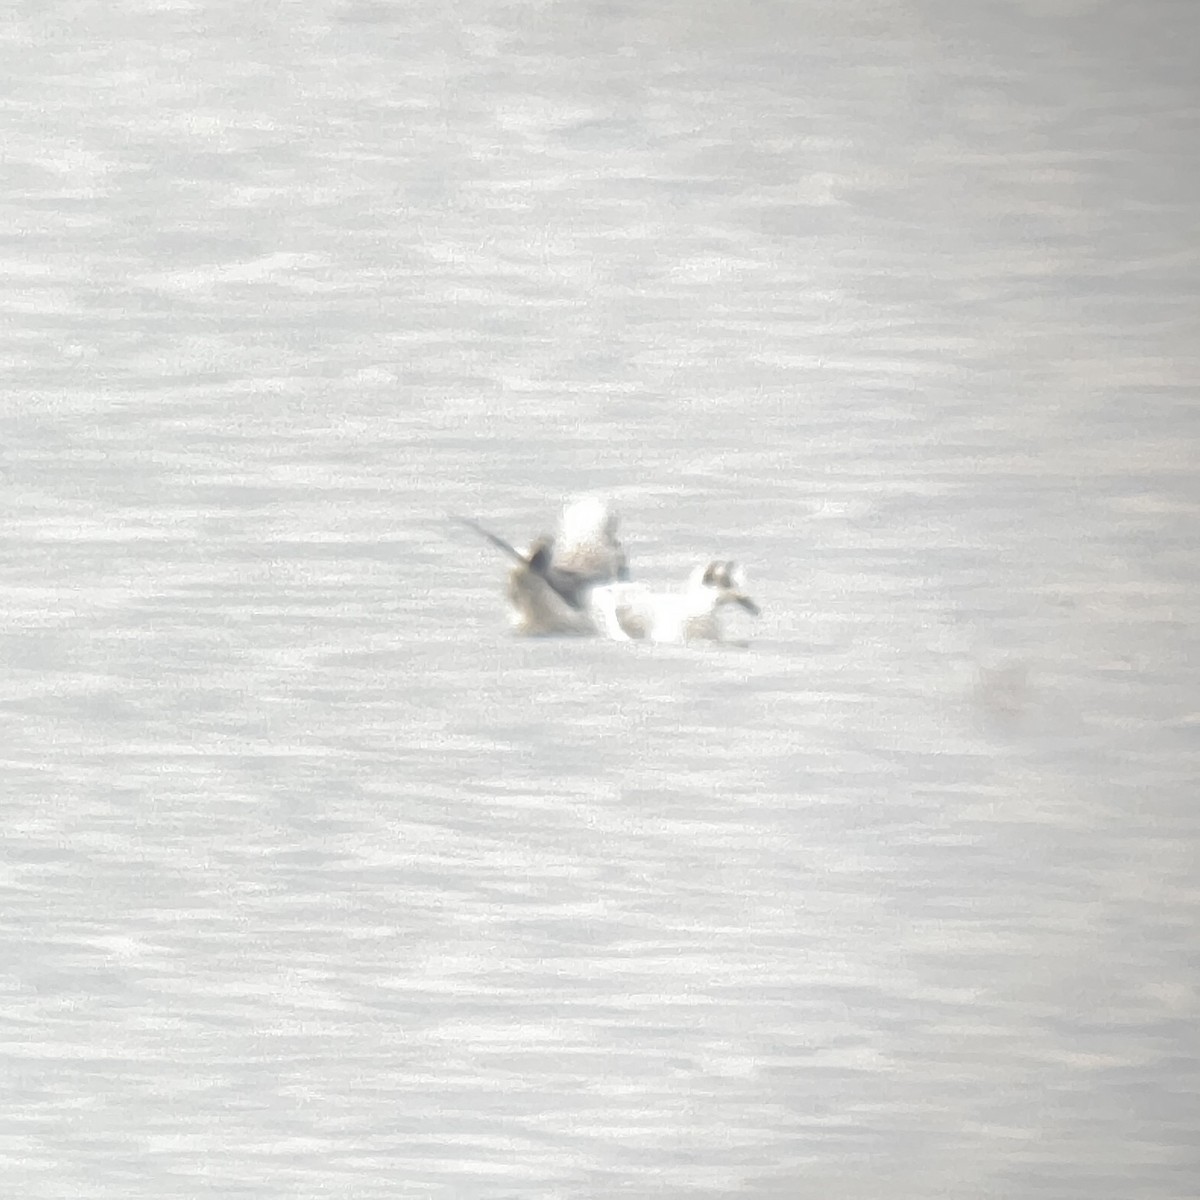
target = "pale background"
x: 316, y: 883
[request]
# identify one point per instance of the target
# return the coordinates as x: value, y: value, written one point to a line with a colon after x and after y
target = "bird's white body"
x: 628, y: 611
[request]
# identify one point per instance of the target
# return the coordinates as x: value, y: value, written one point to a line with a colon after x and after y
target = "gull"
x: 627, y: 611
x: 549, y: 587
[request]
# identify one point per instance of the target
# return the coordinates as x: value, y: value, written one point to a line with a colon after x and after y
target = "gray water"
x: 316, y: 882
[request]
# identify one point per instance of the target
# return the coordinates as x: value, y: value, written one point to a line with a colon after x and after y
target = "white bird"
x: 548, y: 589
x: 626, y: 611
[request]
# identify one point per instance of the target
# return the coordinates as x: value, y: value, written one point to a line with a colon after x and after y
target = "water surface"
x: 316, y: 882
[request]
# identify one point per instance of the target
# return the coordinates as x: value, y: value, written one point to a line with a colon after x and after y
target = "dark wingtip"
x: 495, y: 539
x: 540, y: 555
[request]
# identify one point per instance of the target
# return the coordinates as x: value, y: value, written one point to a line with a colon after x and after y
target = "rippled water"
x: 317, y: 883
